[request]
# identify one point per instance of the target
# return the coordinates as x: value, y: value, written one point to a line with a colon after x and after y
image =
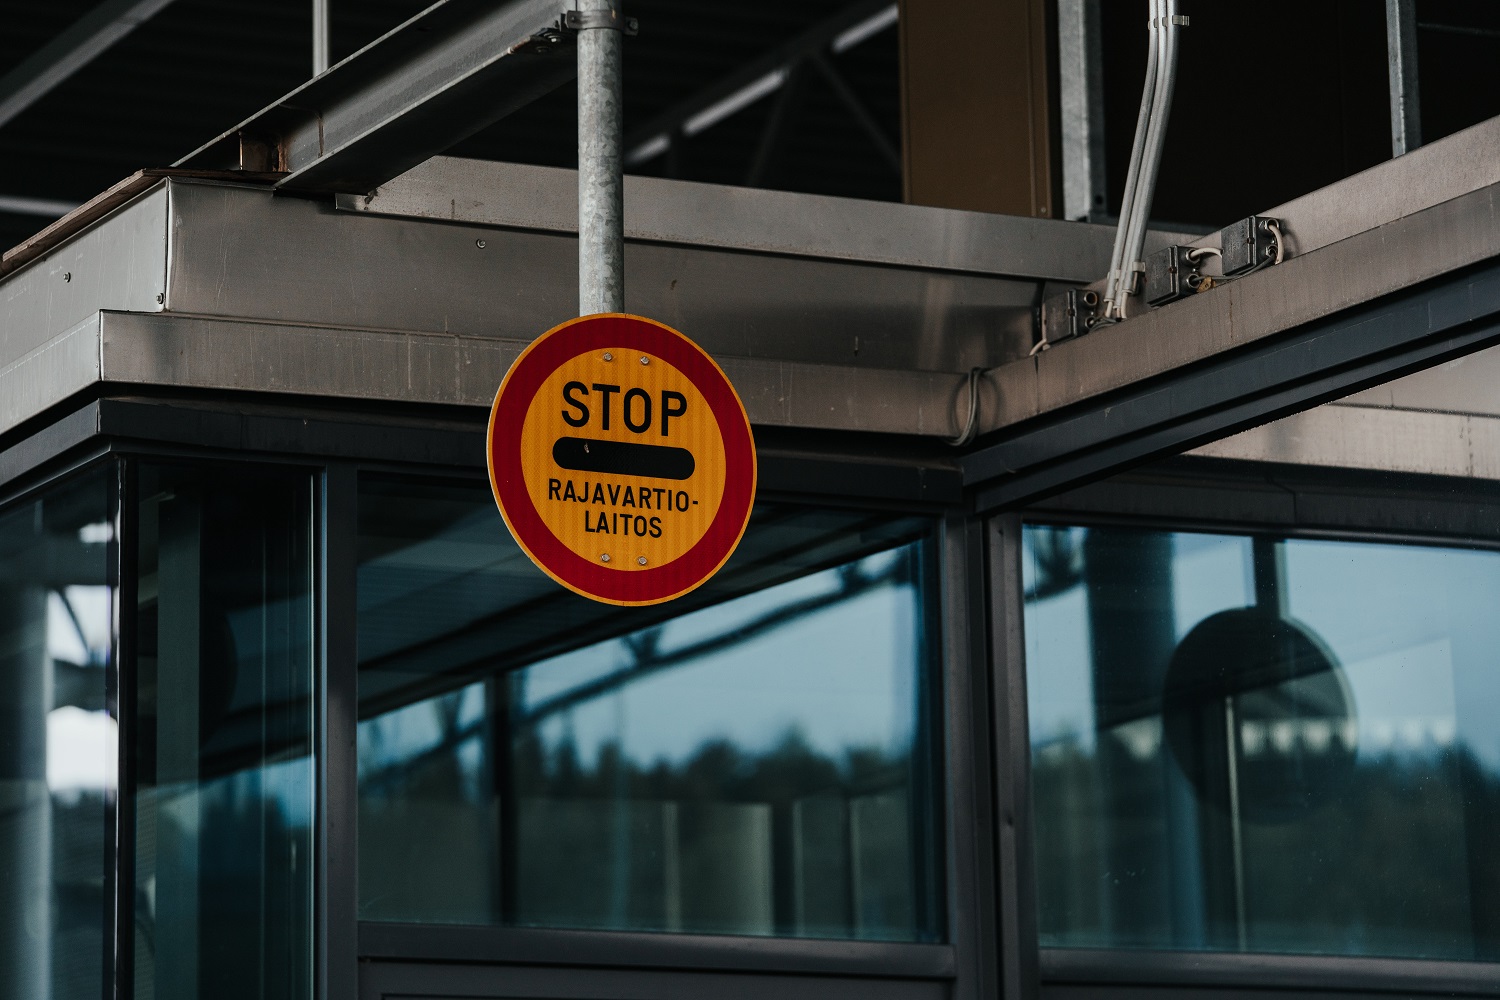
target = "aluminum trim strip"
x: 713, y: 215
x: 219, y: 354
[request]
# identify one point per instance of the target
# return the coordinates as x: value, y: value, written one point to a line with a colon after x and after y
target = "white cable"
x: 972, y: 423
x: 1166, y: 78
x: 1114, y: 300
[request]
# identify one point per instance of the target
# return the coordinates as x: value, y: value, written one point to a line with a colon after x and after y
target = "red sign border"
x: 599, y: 581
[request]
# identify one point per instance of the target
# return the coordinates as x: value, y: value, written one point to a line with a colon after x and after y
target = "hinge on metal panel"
x: 577, y: 20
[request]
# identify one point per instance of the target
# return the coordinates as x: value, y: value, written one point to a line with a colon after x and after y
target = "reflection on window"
x: 756, y: 759
x: 224, y: 800
x: 58, y: 739
x: 1268, y: 745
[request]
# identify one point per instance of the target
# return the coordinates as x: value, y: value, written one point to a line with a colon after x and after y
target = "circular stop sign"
x: 622, y: 459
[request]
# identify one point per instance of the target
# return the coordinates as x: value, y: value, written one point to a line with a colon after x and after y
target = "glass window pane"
x: 757, y: 758
x: 1257, y: 744
x: 224, y: 673
x: 58, y: 738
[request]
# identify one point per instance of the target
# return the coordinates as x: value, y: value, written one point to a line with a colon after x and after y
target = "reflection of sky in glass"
x: 416, y: 728
x: 1417, y: 633
x: 82, y: 745
x: 1059, y: 677
x: 849, y: 662
x: 1210, y: 573
x: 1413, y: 627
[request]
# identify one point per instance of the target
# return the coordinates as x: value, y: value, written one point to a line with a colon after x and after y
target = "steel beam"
x: 452, y: 70
x: 659, y: 210
x: 70, y: 51
x: 50, y: 208
x: 753, y: 81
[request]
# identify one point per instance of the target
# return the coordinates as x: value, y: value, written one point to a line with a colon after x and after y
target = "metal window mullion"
x: 119, y: 940
x: 970, y: 869
x: 337, y: 895
x: 1018, y: 945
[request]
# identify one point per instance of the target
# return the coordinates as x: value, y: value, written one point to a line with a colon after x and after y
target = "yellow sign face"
x: 587, y: 435
x: 622, y: 459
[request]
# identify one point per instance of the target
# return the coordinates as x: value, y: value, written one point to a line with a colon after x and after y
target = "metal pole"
x: 320, y: 36
x: 601, y: 200
x: 1401, y: 46
x: 1081, y: 94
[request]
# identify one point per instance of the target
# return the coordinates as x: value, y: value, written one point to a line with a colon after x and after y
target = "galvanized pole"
x: 319, y: 36
x: 601, y: 200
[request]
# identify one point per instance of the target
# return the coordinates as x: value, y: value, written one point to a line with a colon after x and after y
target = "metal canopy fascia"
x: 658, y: 210
x: 452, y: 70
x: 826, y: 330
x: 1392, y: 273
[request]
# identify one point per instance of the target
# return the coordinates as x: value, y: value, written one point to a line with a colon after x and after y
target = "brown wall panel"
x: 976, y: 105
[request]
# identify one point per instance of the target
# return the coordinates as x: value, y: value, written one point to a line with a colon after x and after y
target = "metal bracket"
x: 1179, y: 19
x: 1071, y: 314
x: 1249, y: 244
x: 1171, y: 274
x: 579, y: 20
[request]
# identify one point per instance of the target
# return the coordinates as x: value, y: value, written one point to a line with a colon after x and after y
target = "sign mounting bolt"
x: 604, y: 558
x: 608, y: 356
x: 641, y: 560
x: 645, y: 361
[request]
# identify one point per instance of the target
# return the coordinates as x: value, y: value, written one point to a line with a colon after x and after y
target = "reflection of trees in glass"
x: 782, y: 840
x: 1398, y: 862
x: 1316, y: 834
x: 719, y: 770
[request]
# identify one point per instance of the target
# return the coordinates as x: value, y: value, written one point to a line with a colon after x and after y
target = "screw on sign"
x: 622, y: 459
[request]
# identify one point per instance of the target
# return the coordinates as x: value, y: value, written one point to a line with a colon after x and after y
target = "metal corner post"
x: 601, y: 200
x: 320, y: 33
x: 1401, y: 47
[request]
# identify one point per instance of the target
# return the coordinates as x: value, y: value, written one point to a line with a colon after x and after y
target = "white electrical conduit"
x: 1112, y: 292
x: 1145, y: 155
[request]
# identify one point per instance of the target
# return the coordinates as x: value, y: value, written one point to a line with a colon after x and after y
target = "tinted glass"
x: 224, y: 800
x: 754, y: 759
x: 1259, y: 744
x: 58, y: 738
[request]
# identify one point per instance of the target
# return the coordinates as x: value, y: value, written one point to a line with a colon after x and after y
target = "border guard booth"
x: 1157, y: 658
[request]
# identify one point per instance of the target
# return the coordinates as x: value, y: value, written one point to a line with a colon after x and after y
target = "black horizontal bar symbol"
x: 623, y: 458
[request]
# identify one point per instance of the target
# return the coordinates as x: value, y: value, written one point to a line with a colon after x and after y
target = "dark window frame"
x: 1196, y: 483
x: 337, y: 447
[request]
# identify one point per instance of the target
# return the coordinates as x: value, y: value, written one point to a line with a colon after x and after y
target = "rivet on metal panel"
x: 645, y: 361
x: 161, y: 297
x: 604, y: 558
x: 641, y: 560
x: 480, y: 244
x: 608, y: 356
x: 67, y: 276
